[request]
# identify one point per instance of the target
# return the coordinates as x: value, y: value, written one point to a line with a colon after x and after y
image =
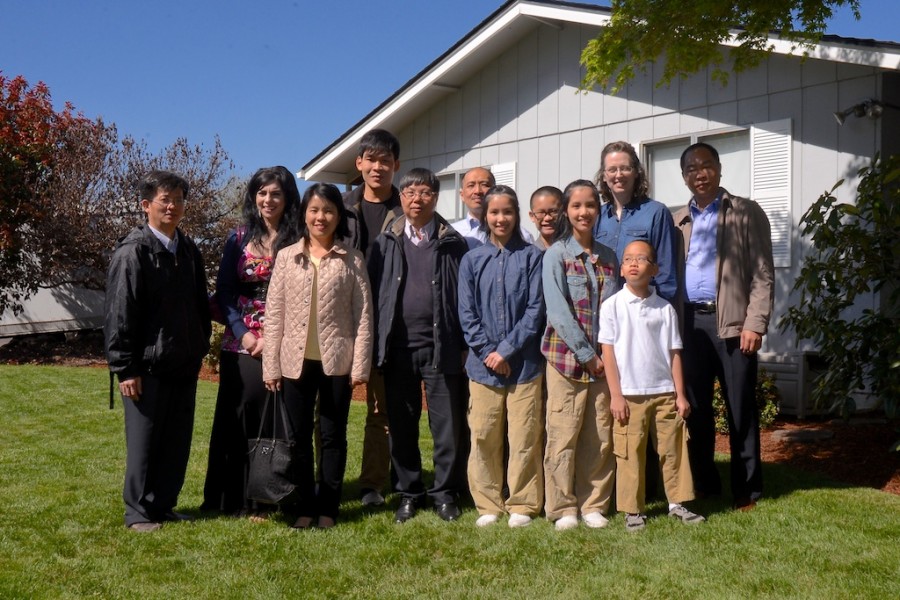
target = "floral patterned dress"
x: 254, y: 273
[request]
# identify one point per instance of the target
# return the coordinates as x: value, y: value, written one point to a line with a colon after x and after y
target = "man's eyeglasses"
x: 626, y: 170
x: 177, y: 202
x: 541, y: 214
x: 412, y: 194
x: 636, y: 260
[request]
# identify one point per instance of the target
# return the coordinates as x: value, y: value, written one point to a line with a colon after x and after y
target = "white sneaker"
x: 517, y: 520
x: 595, y: 520
x: 486, y: 520
x: 567, y: 522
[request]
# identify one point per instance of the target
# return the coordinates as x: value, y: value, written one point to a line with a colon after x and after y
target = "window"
x: 756, y: 163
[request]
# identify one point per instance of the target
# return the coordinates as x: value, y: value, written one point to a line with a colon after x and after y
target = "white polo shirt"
x: 642, y: 331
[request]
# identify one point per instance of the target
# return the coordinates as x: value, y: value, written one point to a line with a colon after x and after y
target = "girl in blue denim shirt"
x: 501, y: 310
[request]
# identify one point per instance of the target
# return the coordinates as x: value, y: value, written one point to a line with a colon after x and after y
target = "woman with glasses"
x: 270, y: 222
x: 318, y: 345
x: 628, y: 213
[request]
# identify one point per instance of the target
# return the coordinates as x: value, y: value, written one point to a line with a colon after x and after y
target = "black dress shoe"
x: 176, y: 516
x: 406, y: 511
x: 448, y: 512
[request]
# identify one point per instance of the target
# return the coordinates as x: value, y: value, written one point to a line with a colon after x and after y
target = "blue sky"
x: 277, y: 80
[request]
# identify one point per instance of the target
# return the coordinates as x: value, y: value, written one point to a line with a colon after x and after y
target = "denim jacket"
x: 644, y: 219
x: 501, y: 309
x: 574, y: 287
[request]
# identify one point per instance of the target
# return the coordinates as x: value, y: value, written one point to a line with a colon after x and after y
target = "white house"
x: 506, y: 96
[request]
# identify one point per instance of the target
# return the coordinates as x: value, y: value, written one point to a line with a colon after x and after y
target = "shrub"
x: 766, y: 402
x: 215, y: 347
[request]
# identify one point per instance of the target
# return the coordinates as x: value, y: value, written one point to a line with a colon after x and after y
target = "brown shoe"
x: 145, y: 527
x: 744, y: 504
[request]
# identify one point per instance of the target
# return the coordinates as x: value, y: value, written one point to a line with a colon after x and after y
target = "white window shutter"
x: 505, y: 174
x: 770, y: 182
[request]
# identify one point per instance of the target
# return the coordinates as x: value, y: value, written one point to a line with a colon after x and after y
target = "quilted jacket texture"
x: 344, y: 313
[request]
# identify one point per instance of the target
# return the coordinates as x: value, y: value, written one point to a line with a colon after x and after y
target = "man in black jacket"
x: 157, y: 332
x: 414, y: 269
x: 372, y: 207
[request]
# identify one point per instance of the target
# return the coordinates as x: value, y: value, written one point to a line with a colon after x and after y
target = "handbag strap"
x: 277, y: 398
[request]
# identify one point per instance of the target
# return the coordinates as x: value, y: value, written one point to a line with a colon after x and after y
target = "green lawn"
x: 61, y: 533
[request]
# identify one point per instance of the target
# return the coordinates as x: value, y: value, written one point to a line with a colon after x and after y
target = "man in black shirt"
x: 373, y: 205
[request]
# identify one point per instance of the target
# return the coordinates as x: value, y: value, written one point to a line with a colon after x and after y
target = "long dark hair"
x: 563, y: 225
x: 331, y: 194
x: 288, y: 227
x: 501, y: 190
x: 641, y: 183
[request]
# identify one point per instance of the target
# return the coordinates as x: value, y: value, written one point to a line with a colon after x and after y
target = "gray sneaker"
x: 685, y: 516
x: 635, y: 522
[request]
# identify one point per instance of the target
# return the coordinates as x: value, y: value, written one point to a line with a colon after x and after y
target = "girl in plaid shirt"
x: 578, y: 274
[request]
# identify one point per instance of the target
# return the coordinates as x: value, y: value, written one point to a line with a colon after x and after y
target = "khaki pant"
x: 578, y: 463
x: 656, y: 416
x: 494, y: 414
x: 376, y: 456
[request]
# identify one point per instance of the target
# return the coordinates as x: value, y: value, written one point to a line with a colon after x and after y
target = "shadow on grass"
x: 778, y: 481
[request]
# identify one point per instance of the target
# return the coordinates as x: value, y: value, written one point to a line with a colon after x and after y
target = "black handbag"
x: 272, y: 461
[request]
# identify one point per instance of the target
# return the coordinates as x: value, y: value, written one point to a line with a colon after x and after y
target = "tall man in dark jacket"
x: 372, y: 206
x: 157, y: 333
x: 414, y: 269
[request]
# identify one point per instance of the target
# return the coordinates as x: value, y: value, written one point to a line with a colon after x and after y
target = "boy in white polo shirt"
x: 642, y: 359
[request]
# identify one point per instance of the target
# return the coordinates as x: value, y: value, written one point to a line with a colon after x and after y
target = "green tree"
x: 691, y: 34
x: 855, y: 251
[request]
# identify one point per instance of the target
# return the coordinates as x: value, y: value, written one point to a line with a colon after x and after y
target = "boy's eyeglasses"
x: 636, y: 260
x: 412, y: 195
x: 540, y: 214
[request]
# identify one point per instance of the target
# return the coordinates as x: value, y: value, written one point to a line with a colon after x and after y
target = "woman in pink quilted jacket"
x: 318, y: 343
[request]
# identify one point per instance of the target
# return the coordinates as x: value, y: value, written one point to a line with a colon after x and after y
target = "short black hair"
x: 379, y: 141
x: 649, y: 245
x: 420, y: 176
x: 697, y: 146
x: 157, y: 179
x: 547, y: 190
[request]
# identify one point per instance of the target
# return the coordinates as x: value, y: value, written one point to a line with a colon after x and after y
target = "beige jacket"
x: 745, y: 271
x: 345, y: 313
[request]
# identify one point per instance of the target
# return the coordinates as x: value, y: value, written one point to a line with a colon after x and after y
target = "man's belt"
x: 703, y: 308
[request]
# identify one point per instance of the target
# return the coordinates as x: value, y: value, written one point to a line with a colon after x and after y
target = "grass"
x: 61, y: 534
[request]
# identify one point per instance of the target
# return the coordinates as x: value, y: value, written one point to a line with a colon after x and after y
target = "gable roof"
x: 500, y: 30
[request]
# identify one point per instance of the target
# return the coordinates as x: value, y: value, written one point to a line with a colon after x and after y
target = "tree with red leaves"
x: 68, y: 191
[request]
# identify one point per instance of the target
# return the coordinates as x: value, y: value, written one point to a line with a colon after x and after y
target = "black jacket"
x: 387, y: 272
x: 157, y: 308
x: 353, y: 201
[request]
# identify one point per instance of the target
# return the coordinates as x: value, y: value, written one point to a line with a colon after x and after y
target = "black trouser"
x: 158, y: 430
x: 240, y: 400
x: 706, y: 357
x: 404, y: 374
x: 334, y: 394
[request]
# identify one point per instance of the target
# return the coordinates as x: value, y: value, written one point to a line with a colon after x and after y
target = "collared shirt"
x: 171, y: 244
x: 470, y: 228
x: 643, y: 219
x: 418, y: 236
x: 501, y: 309
x: 575, y: 285
x: 642, y: 332
x: 700, y: 263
